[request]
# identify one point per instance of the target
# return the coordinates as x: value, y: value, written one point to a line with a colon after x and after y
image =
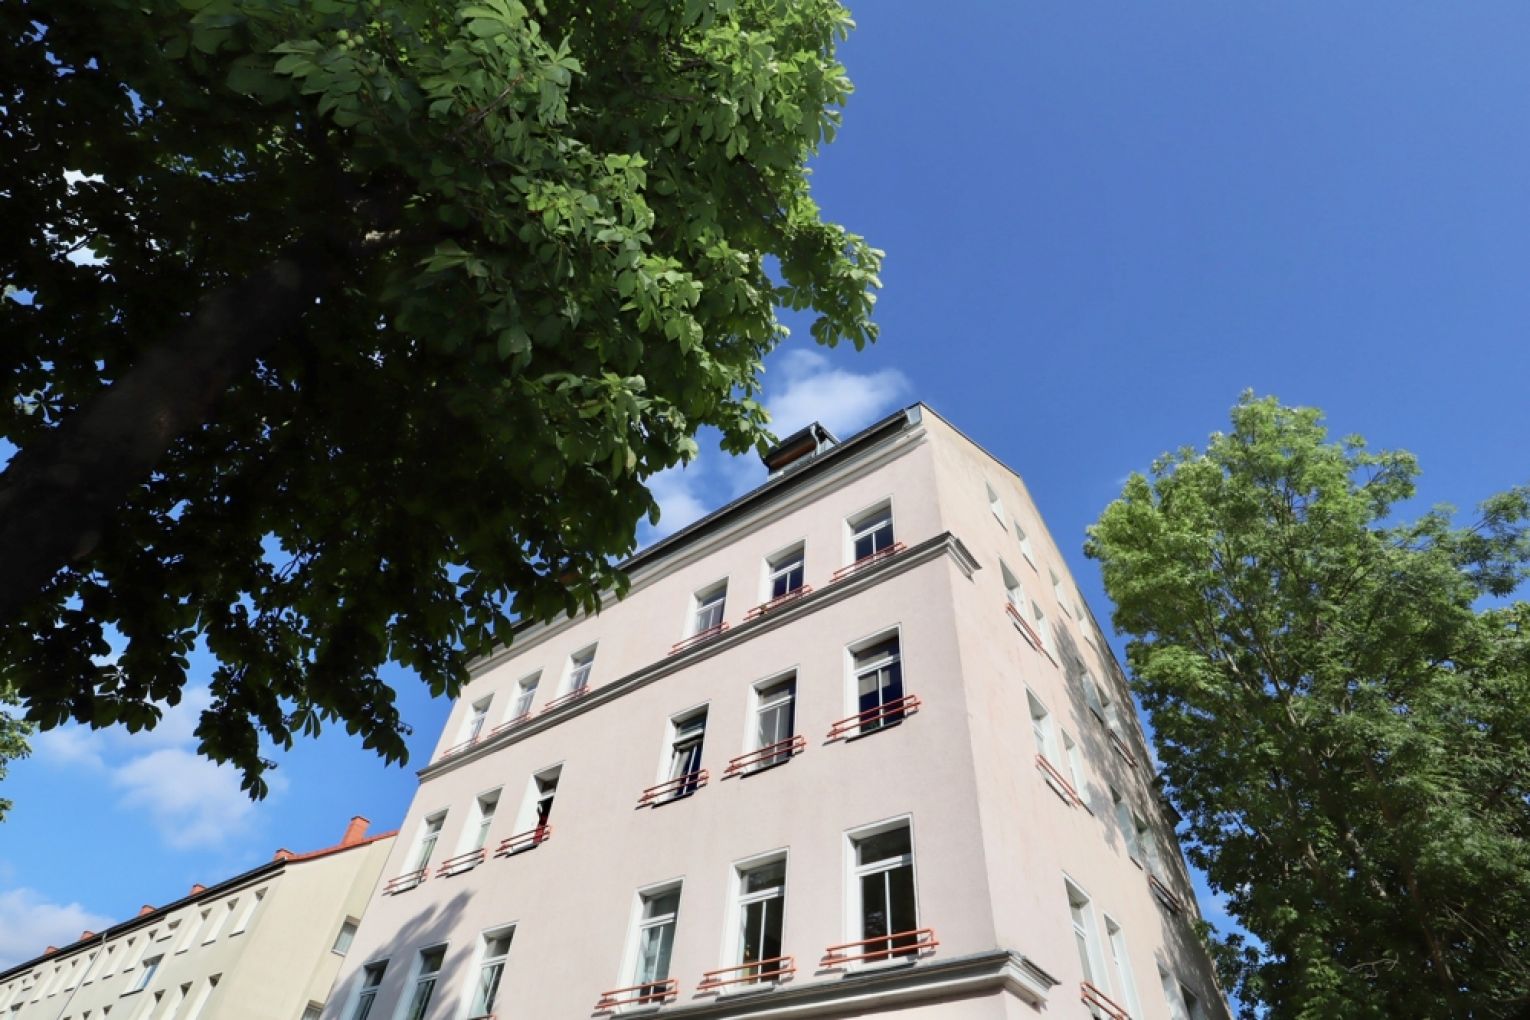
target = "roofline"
x: 790, y: 478
x: 272, y: 866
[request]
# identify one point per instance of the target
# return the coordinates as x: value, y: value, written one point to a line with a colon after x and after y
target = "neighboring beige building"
x: 264, y: 945
x: 851, y: 746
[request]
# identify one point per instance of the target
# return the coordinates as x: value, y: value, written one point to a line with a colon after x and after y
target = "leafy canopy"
x: 537, y: 245
x: 1345, y: 730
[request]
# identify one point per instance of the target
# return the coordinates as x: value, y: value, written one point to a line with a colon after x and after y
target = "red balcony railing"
x: 1026, y: 628
x: 559, y: 702
x: 510, y: 724
x: 1100, y: 1004
x: 462, y: 862
x: 779, y: 601
x: 770, y: 754
x: 656, y: 992
x: 521, y: 841
x: 903, y: 943
x: 700, y: 637
x: 1121, y: 748
x: 873, y: 719
x: 1056, y: 779
x: 403, y: 883
x: 1164, y: 893
x: 459, y: 748
x: 670, y: 789
x: 866, y: 561
x: 777, y: 968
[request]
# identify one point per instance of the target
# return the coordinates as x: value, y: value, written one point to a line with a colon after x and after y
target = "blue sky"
x: 1103, y: 221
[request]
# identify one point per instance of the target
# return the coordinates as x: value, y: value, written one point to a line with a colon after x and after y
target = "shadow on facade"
x: 433, y: 927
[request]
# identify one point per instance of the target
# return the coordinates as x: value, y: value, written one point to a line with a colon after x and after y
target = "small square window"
x: 579, y: 665
x: 346, y: 936
x: 786, y: 573
x: 708, y: 606
x: 871, y: 533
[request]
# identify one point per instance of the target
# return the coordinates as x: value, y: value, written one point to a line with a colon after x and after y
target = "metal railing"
x: 522, y: 841
x: 779, y: 601
x: 462, y: 862
x: 770, y: 754
x: 560, y: 701
x: 698, y: 638
x: 903, y: 943
x: 879, y: 717
x: 777, y: 968
x: 403, y: 883
x: 1164, y: 894
x: 671, y: 789
x: 1098, y: 1000
x: 866, y: 561
x: 1026, y: 627
x: 1057, y: 777
x: 1121, y: 748
x: 510, y: 724
x: 657, y: 992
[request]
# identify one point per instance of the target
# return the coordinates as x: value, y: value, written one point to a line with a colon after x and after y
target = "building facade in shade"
x: 264, y: 945
x: 851, y: 745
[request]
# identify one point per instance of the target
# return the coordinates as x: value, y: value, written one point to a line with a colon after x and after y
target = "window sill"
x: 124, y: 995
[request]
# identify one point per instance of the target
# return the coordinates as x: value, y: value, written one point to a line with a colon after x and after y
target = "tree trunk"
x: 58, y: 494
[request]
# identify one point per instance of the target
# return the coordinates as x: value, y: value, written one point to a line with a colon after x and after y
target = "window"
x: 1192, y: 1004
x: 579, y: 669
x: 192, y: 929
x: 1092, y: 696
x: 786, y: 572
x: 871, y: 533
x: 685, y: 753
x: 1075, y: 768
x: 314, y: 1011
x: 1147, y: 845
x: 427, y: 844
x: 1041, y: 728
x: 707, y: 611
x: 776, y: 717
x: 250, y: 904
x: 879, y: 684
x: 1183, y: 1003
x: 761, y: 904
x: 346, y: 936
x: 496, y: 947
x: 655, y: 938
x: 1012, y: 589
x: 85, y: 972
x: 545, y: 790
x: 427, y: 970
x: 170, y: 930
x: 1048, y: 639
x: 109, y: 965
x: 475, y: 720
x: 220, y: 920
x: 994, y: 503
x: 1121, y: 967
x: 200, y: 1002
x: 1125, y: 825
x: 1057, y: 590
x: 371, y: 980
x: 883, y: 891
x: 1025, y: 543
x: 1086, y: 939
x: 484, y: 809
x: 173, y: 999
x: 526, y: 690
x: 136, y: 954
x: 147, y: 974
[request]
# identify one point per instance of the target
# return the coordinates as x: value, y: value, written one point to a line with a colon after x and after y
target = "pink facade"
x: 953, y: 789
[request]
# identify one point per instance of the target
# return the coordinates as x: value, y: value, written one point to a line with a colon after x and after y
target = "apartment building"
x: 852, y: 745
x: 264, y: 945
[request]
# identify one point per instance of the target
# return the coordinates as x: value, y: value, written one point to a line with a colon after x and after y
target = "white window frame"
x: 1043, y: 629
x: 853, y: 676
x: 475, y: 835
x: 251, y: 905
x: 740, y: 901
x: 354, y: 1008
x: 146, y: 974
x: 419, y: 856
x: 1058, y: 593
x: 1093, y: 961
x: 220, y: 918
x: 417, y: 977
x: 580, y: 665
x: 712, y: 601
x: 528, y: 817
x: 525, y: 696
x: 194, y: 930
x: 349, y: 938
x: 109, y: 967
x: 1014, y: 591
x: 854, y: 918
x: 174, y: 996
x: 1026, y: 549
x: 633, y: 958
x: 1124, y: 824
x: 782, y: 564
x: 859, y: 524
x: 995, y: 503
x: 669, y: 767
x: 1076, y: 772
x: 1121, y: 966
x: 1042, y: 730
x: 477, y: 718
x: 758, y: 707
x: 481, y: 962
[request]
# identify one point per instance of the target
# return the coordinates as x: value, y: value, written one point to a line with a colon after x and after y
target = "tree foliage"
x: 394, y: 305
x: 13, y: 740
x: 1344, y: 727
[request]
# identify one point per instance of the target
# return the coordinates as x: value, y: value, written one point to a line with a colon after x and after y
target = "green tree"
x: 13, y: 740
x: 1343, y: 726
x: 395, y: 305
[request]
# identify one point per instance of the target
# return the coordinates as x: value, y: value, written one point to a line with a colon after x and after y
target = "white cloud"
x: 191, y: 802
x: 29, y: 923
x: 817, y: 390
x: 677, y: 491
